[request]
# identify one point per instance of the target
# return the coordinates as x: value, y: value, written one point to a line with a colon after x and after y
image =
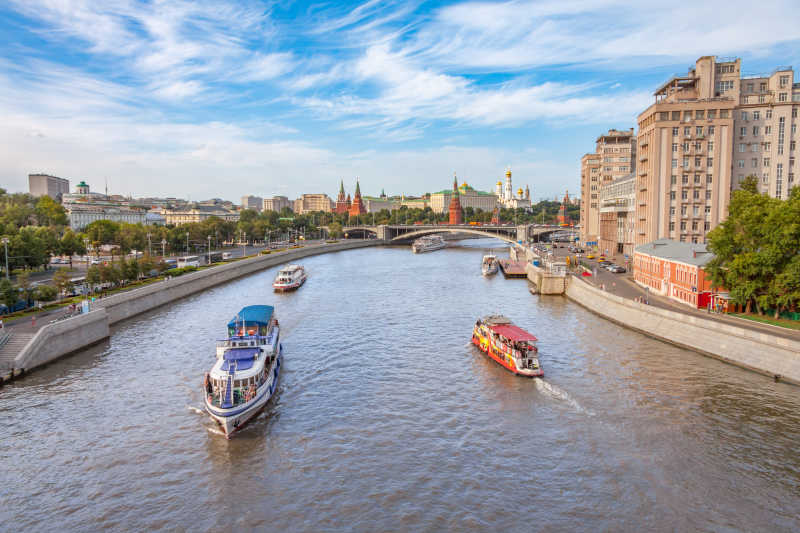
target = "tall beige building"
x: 765, y: 131
x: 44, y: 184
x: 277, y: 203
x: 685, y: 145
x: 313, y: 202
x: 614, y: 158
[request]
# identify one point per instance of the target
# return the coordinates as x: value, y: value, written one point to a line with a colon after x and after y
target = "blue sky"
x: 223, y: 98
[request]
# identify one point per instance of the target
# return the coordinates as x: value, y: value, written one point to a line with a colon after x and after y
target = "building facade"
x: 617, y: 207
x: 505, y: 194
x: 468, y: 197
x: 81, y: 215
x: 255, y: 203
x: 765, y: 131
x: 614, y: 158
x: 46, y: 185
x: 675, y: 269
x: 308, y: 203
x: 197, y: 213
x: 276, y: 203
x: 373, y: 205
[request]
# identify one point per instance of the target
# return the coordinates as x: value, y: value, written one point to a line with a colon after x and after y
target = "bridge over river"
x: 507, y: 232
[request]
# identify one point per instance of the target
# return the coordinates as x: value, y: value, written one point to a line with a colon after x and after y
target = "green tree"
x: 70, y: 244
x: 93, y: 277
x: 24, y: 284
x: 62, y: 280
x: 45, y: 293
x: 50, y: 213
x: 8, y: 294
x: 335, y: 229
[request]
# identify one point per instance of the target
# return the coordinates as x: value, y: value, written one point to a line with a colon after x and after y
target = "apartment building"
x: 614, y: 158
x: 309, y: 203
x: 617, y: 207
x: 765, y: 131
x: 277, y: 203
x: 255, y: 203
x: 685, y: 143
x: 44, y: 184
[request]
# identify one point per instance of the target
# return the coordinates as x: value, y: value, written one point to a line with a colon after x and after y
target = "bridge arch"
x: 444, y: 229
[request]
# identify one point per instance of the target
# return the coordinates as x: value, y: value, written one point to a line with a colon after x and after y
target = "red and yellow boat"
x: 507, y: 344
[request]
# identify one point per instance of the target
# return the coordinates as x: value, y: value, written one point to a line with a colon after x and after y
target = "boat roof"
x: 244, y: 358
x: 495, y: 319
x: 253, y: 314
x: 510, y: 331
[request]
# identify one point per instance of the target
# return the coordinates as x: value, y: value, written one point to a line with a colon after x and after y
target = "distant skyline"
x: 216, y: 98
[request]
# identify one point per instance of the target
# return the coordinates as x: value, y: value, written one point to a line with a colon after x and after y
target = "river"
x: 388, y: 419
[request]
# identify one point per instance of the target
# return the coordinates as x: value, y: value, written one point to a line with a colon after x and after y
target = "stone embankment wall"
x: 67, y: 336
x: 761, y: 352
x: 545, y: 281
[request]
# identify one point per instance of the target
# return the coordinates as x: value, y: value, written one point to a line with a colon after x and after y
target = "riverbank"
x: 62, y: 338
x: 767, y: 354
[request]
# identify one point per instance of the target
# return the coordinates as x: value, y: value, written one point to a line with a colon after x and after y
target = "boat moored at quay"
x: 245, y: 375
x: 489, y: 265
x: 509, y: 345
x: 289, y: 278
x: 428, y: 243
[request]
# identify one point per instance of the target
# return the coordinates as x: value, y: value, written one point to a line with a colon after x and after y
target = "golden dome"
x: 519, y: 191
x: 508, y: 173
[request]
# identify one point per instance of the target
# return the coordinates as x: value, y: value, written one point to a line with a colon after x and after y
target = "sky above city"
x: 221, y: 98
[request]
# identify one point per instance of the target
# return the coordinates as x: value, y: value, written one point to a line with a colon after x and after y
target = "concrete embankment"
x: 67, y: 336
x: 761, y: 352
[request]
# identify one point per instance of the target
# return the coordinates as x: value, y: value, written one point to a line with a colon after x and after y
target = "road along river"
x: 388, y: 419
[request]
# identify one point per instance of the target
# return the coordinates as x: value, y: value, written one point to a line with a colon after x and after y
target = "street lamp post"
x: 86, y: 251
x: 244, y: 245
x: 163, y: 248
x: 187, y: 243
x: 5, y: 243
x: 209, y: 249
x: 149, y: 245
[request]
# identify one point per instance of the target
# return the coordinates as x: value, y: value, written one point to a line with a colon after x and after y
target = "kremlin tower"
x: 342, y: 202
x: 455, y: 205
x: 563, y: 218
x: 357, y: 207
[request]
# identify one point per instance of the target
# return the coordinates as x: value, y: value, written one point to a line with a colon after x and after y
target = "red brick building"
x: 342, y: 202
x: 675, y: 270
x: 456, y: 216
x: 357, y: 207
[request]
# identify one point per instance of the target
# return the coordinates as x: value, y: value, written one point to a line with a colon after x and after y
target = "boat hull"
x: 233, y: 419
x: 289, y: 287
x: 486, y: 347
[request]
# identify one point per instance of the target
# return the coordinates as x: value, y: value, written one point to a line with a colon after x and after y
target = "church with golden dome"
x: 506, y: 197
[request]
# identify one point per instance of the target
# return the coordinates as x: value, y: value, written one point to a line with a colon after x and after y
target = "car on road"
x: 602, y: 259
x: 590, y: 256
x: 616, y: 269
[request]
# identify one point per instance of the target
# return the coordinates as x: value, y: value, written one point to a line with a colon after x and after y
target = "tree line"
x: 757, y: 250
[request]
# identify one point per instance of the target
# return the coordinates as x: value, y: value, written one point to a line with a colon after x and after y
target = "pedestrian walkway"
x: 9, y: 351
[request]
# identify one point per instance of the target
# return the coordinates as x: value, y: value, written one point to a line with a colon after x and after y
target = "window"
x: 707, y: 225
x: 687, y: 116
x: 791, y: 177
x: 762, y: 87
x: 709, y: 179
x: 696, y: 196
x: 673, y: 180
x: 780, y: 145
x: 742, y: 147
x: 674, y: 163
x: 676, y: 115
x: 711, y: 130
x: 697, y: 179
x: 664, y: 115
x: 744, y: 116
x: 686, y: 147
x: 684, y: 194
x: 782, y: 97
x: 756, y: 115
x: 749, y: 87
x: 672, y: 226
x: 683, y: 225
x: 754, y: 147
x: 685, y: 162
x: 699, y: 114
x: 683, y: 210
x: 710, y: 162
x: 743, y: 131
x: 687, y: 131
x: 792, y: 146
x: 694, y: 225
x: 712, y: 114
x: 784, y: 81
x: 767, y: 146
x: 723, y: 113
x: 674, y: 147
x: 685, y: 179
x: 766, y: 161
x: 794, y: 112
x: 698, y: 130
x: 794, y: 129
x: 675, y: 131
x: 671, y: 195
x: 767, y: 130
x: 769, y: 113
x: 755, y: 162
x: 710, y: 146
x: 672, y: 210
x: 741, y: 163
x: 755, y: 130
x: 697, y: 161
x: 708, y: 195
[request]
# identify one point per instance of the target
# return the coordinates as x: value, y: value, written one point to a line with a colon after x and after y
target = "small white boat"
x: 289, y: 278
x: 245, y: 375
x: 489, y: 265
x: 428, y: 243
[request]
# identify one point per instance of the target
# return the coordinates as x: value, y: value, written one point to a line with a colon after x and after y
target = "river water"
x: 388, y: 419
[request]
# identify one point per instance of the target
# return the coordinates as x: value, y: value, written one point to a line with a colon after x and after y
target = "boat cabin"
x: 516, y: 342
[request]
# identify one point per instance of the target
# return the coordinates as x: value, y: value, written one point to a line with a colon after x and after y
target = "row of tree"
x: 757, y: 250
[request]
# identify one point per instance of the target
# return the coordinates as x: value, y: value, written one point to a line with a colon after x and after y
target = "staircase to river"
x: 12, y: 346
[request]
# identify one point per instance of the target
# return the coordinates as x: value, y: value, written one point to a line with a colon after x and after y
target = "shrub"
x: 45, y: 293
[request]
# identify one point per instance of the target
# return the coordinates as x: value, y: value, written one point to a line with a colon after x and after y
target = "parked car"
x: 618, y: 269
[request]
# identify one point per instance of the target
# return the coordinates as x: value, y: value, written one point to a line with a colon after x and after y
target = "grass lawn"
x: 791, y: 324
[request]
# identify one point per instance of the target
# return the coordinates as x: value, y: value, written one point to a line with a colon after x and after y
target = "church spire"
x: 341, y: 187
x: 455, y: 183
x: 358, y: 188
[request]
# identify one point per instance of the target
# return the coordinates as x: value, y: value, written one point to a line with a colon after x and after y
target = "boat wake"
x: 215, y: 431
x: 195, y: 410
x: 560, y: 394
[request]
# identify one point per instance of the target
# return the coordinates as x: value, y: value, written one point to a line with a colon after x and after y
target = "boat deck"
x: 513, y: 269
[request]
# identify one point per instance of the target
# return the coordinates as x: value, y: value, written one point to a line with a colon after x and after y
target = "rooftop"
x: 685, y: 252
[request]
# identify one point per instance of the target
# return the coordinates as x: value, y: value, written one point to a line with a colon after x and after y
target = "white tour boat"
x: 289, y: 278
x: 489, y: 265
x: 245, y: 375
x: 428, y: 243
